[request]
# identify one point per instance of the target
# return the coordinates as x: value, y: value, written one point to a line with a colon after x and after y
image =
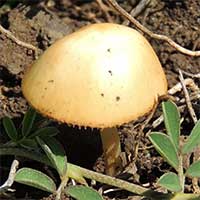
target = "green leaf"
x: 172, y: 121
x: 165, y: 147
x: 29, y: 143
x: 45, y: 132
x: 194, y: 169
x: 55, y: 153
x: 27, y: 122
x: 10, y: 128
x: 35, y: 179
x: 193, y: 140
x: 170, y: 181
x: 83, y: 193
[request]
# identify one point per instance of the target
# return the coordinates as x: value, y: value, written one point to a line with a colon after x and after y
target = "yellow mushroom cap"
x: 100, y: 76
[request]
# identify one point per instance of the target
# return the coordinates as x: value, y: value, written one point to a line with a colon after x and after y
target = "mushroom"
x: 101, y: 76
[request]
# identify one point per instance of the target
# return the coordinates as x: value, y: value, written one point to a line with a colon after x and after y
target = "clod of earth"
x: 101, y: 76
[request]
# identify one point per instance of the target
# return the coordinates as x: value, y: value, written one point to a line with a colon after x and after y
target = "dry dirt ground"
x: 40, y: 23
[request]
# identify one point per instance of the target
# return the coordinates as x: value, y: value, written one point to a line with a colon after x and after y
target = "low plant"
x: 31, y: 127
x: 38, y: 143
x: 173, y: 150
x: 30, y: 137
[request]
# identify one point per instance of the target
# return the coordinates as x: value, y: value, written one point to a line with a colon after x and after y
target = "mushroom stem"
x: 111, y: 149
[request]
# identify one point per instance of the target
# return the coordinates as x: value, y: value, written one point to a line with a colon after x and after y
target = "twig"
x: 191, y: 75
x: 187, y: 98
x: 193, y: 96
x: 177, y: 88
x: 6, y: 186
x: 104, y: 9
x: 142, y: 5
x: 151, y: 34
x: 110, y: 190
x: 19, y: 42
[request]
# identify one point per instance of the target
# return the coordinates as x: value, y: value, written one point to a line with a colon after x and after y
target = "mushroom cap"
x: 102, y: 75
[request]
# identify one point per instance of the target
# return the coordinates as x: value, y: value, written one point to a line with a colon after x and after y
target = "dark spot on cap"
x: 110, y: 72
x: 109, y: 50
x: 50, y: 81
x: 117, y: 98
x: 45, y: 88
x: 102, y: 94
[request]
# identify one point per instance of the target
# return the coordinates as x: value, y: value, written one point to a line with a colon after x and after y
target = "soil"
x: 40, y: 23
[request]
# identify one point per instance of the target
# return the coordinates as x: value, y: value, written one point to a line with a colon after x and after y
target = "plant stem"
x: 60, y: 188
x: 72, y: 169
x: 181, y: 173
x: 136, y: 189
